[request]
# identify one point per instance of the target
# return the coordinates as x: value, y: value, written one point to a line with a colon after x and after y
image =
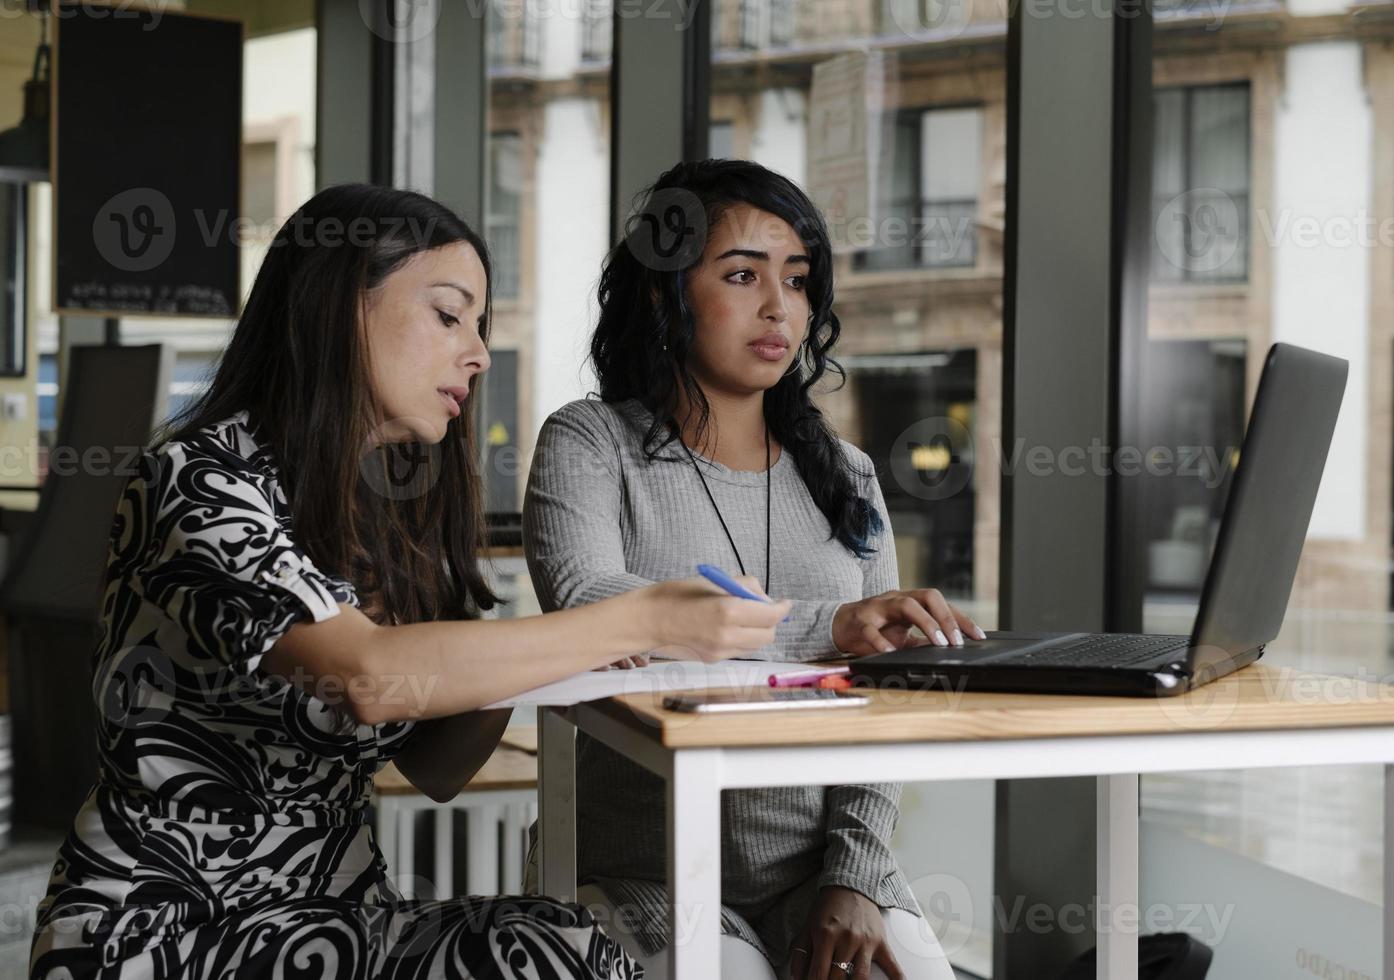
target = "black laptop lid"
x: 1270, y: 503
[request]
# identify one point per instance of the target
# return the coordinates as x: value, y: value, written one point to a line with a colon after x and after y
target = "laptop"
x: 1246, y: 588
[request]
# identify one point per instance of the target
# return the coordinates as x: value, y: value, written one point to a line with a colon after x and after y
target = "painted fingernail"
x: 958, y: 638
x: 979, y: 631
x: 940, y: 639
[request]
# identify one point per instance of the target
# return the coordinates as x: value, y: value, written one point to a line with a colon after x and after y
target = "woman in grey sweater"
x: 705, y: 447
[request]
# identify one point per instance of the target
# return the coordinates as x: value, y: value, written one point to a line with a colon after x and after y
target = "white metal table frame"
x: 696, y: 776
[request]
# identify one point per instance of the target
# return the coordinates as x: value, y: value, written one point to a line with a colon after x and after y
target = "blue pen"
x: 716, y: 576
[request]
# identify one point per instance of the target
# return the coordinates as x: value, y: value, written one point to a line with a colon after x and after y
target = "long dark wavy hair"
x: 297, y: 363
x: 644, y: 337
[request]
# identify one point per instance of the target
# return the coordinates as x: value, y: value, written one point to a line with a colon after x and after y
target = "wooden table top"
x: 507, y: 768
x: 1257, y: 697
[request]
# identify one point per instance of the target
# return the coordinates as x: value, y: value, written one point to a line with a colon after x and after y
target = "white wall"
x: 779, y: 140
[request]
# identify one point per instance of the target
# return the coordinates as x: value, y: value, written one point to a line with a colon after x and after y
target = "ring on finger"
x: 845, y: 967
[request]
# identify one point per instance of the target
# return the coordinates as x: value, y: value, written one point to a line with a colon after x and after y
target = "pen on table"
x: 805, y: 678
x: 717, y: 577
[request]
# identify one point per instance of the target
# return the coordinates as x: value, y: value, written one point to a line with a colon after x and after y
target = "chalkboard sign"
x: 147, y: 149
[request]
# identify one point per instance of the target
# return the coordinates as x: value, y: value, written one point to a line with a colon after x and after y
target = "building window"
x: 752, y: 15
x: 917, y: 413
x: 765, y: 23
x: 513, y: 36
x: 928, y: 192
x: 502, y: 227
x: 597, y: 27
x: 1200, y: 183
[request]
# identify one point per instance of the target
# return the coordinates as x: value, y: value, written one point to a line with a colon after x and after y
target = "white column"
x: 1116, y: 906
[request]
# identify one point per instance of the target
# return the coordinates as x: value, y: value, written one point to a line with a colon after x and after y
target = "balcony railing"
x: 924, y: 235
x: 597, y: 27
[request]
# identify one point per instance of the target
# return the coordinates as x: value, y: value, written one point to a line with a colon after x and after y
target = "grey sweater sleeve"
x: 571, y: 515
x: 573, y: 535
x: 861, y: 818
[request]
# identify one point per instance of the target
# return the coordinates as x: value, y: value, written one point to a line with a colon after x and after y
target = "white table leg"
x: 445, y: 853
x: 406, y: 853
x: 694, y: 865
x: 1389, y: 872
x: 484, y: 850
x: 386, y: 832
x: 556, y: 773
x: 1116, y: 913
x: 514, y: 827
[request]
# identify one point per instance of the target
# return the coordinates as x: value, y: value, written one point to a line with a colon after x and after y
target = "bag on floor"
x: 1164, y: 956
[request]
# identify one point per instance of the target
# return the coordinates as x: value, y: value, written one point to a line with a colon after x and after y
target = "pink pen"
x: 805, y: 678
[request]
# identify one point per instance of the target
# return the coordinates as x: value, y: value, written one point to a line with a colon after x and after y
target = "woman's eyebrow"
x: 753, y: 253
x: 469, y: 296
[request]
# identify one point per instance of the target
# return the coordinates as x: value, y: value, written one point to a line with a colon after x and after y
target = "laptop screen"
x: 1270, y: 504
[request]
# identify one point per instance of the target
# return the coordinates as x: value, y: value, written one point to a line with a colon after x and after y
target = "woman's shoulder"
x: 856, y: 456
x: 593, y: 410
x: 617, y: 423
x: 229, y: 446
x: 859, y: 464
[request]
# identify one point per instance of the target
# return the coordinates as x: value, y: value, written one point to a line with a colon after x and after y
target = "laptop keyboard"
x: 1117, y: 650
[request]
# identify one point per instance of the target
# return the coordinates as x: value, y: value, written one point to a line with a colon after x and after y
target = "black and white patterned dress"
x: 227, y: 834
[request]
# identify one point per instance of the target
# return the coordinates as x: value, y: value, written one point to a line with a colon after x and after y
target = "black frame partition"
x: 354, y: 90
x: 1075, y: 308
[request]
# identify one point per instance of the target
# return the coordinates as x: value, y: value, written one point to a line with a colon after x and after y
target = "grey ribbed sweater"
x: 600, y: 519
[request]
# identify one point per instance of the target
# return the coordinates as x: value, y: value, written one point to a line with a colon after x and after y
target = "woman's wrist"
x: 639, y: 626
x: 837, y: 624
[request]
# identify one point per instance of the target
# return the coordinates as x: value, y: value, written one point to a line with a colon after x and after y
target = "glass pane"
x: 1261, y: 160
x: 902, y: 142
x: 549, y: 181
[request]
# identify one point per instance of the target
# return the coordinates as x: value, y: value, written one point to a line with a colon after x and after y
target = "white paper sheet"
x: 663, y: 675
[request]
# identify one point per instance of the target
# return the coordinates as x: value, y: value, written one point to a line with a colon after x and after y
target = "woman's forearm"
x: 432, y: 670
x: 443, y: 754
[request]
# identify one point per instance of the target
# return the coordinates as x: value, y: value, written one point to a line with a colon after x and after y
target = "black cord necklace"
x: 739, y: 561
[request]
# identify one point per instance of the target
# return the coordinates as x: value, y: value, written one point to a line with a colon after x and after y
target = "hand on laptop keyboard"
x: 883, y: 623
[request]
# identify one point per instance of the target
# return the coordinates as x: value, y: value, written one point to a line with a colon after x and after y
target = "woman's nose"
x: 477, y: 356
x: 776, y: 308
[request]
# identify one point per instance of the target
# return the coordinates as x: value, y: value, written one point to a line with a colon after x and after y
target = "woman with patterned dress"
x: 292, y: 600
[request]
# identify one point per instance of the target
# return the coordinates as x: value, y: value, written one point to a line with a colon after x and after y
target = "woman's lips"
x: 769, y: 351
x: 454, y: 406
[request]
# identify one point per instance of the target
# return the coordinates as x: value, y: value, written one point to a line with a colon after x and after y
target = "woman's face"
x: 749, y: 301
x: 423, y: 326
